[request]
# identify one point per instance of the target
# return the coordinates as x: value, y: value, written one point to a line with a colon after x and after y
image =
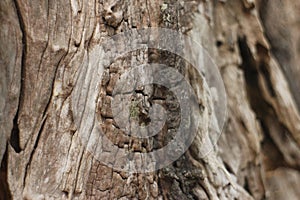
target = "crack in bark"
x: 5, y: 193
x: 15, y: 135
x: 34, y: 148
x: 15, y: 138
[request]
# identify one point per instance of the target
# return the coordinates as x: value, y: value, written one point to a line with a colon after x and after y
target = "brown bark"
x: 48, y: 53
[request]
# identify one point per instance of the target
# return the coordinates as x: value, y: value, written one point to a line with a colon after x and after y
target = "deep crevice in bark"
x: 281, y: 40
x: 264, y: 111
x: 5, y: 193
x: 15, y: 138
x: 246, y: 186
x: 15, y: 135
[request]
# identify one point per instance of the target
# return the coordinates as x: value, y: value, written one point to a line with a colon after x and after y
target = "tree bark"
x: 50, y: 60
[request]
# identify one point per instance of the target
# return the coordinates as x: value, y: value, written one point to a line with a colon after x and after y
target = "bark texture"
x: 47, y: 52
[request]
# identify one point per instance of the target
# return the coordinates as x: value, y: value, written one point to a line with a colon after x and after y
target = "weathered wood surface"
x: 47, y: 50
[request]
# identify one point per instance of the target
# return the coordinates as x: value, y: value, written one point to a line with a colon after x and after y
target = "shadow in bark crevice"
x: 271, y: 126
x: 5, y: 193
x: 15, y: 135
x: 15, y: 138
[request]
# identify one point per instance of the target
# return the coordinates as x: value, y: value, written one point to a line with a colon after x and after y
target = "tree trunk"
x: 63, y: 133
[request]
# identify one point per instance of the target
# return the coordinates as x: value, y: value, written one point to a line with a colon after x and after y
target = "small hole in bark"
x: 113, y: 8
x: 219, y: 43
x: 66, y: 193
x: 76, y: 44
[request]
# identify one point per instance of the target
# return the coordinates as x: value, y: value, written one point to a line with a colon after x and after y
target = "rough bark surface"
x: 47, y: 48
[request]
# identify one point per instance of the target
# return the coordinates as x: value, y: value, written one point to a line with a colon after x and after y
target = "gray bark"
x: 48, y: 56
